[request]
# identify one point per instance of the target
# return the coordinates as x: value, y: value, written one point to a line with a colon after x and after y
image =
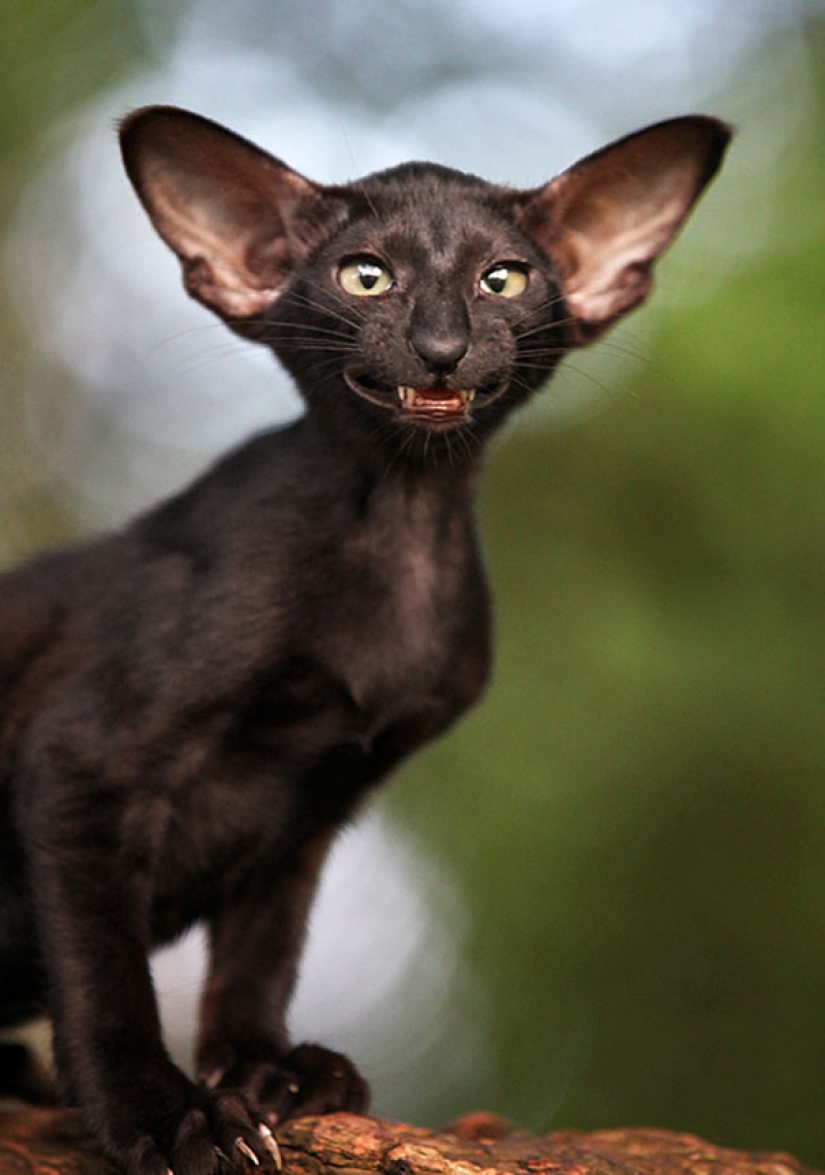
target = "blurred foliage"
x: 636, y: 813
x: 54, y: 55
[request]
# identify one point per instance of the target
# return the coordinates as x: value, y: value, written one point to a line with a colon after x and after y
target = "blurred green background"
x: 621, y: 853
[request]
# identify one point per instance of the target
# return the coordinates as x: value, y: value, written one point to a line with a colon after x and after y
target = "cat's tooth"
x: 469, y: 395
x: 405, y: 394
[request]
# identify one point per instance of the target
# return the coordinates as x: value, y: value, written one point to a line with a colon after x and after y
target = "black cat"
x: 192, y: 707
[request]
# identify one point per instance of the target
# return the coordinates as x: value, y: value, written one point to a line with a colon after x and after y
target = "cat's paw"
x: 216, y: 1134
x: 320, y: 1081
x: 308, y: 1079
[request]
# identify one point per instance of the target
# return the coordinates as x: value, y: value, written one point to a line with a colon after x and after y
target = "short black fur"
x: 190, y: 708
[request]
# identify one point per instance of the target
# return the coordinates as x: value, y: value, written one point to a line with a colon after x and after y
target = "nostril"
x: 440, y: 354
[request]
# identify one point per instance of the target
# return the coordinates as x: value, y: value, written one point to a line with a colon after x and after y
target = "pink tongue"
x: 435, y: 394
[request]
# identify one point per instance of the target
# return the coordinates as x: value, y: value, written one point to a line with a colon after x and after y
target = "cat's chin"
x: 430, y: 406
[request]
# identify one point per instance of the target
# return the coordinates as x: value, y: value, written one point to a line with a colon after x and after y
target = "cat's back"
x: 37, y: 635
x: 31, y: 604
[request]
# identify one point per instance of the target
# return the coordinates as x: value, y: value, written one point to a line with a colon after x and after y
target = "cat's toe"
x: 323, y: 1081
x: 223, y: 1142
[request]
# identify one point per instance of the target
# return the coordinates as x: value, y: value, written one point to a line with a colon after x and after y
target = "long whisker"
x: 540, y: 310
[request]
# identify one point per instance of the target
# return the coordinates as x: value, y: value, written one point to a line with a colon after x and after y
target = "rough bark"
x: 52, y: 1142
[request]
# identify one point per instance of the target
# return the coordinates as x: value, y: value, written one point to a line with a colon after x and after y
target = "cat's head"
x: 420, y: 296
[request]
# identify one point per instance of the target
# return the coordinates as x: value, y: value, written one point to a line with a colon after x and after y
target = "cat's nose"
x: 440, y: 351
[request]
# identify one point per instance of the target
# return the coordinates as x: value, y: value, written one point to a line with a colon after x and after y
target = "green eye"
x: 364, y: 277
x: 504, y: 281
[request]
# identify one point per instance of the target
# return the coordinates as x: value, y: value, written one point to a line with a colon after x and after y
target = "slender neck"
x: 408, y: 486
x: 396, y: 452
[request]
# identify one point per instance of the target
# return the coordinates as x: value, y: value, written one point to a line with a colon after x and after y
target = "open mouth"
x: 436, y: 404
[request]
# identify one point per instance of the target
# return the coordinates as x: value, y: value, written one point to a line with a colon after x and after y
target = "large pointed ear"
x: 237, y: 218
x: 606, y: 220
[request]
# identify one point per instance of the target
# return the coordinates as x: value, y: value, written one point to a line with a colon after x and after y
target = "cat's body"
x: 189, y: 709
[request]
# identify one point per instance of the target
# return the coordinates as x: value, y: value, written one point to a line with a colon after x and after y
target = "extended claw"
x: 247, y: 1151
x: 271, y: 1145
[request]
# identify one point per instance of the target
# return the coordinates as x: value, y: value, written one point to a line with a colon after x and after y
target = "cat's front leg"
x: 149, y: 1118
x: 257, y: 937
x: 256, y: 942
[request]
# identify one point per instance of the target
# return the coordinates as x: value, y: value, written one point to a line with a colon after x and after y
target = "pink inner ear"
x: 609, y: 241
x: 223, y: 205
x: 606, y: 220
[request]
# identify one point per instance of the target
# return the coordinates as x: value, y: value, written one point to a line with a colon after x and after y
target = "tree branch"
x: 53, y: 1142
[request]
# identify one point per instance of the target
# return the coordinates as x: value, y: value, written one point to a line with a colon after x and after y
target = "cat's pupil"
x: 504, y: 281
x: 363, y: 276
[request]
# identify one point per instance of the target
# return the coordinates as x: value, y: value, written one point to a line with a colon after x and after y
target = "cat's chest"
x: 407, y: 602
